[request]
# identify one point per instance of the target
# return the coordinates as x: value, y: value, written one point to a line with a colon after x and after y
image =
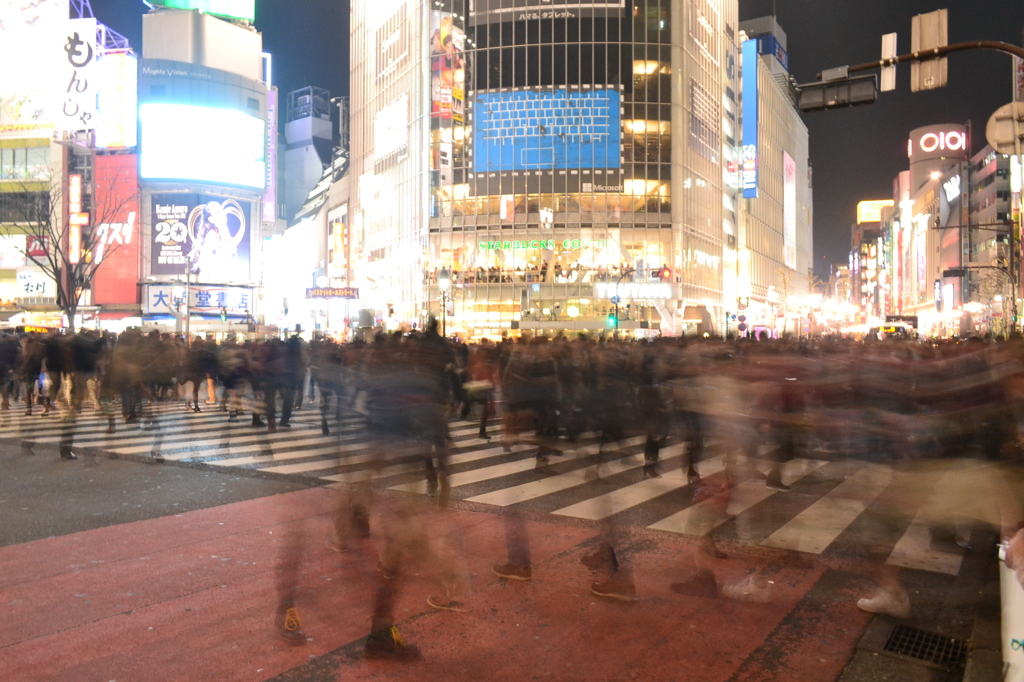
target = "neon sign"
x: 935, y: 140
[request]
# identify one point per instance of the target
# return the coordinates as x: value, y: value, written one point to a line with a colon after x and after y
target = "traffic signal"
x: 223, y: 314
x: 613, y: 321
x: 665, y: 274
x: 835, y: 94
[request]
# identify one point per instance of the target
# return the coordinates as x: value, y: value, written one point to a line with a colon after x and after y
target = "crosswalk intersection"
x: 829, y: 506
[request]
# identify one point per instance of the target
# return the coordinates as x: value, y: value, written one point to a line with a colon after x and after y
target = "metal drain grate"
x: 926, y: 646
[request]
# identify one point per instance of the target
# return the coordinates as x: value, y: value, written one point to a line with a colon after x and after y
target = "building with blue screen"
x: 542, y: 159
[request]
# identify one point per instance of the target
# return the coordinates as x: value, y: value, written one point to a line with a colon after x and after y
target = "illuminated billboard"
x: 181, y: 142
x: 447, y: 67
x: 209, y: 234
x: 789, y: 210
x: 116, y: 246
x: 545, y: 130
x: 118, y: 103
x: 750, y: 130
x: 871, y: 211
x: 233, y: 9
x: 47, y: 84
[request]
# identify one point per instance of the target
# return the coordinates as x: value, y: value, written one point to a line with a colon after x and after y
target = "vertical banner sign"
x: 447, y: 64
x: 76, y: 219
x: 789, y: 210
x: 79, y: 83
x: 749, y: 156
x: 270, y: 195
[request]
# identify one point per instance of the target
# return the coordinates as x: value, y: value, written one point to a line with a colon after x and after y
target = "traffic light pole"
x: 924, y: 55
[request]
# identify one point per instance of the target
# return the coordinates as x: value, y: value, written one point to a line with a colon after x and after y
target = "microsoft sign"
x: 233, y: 9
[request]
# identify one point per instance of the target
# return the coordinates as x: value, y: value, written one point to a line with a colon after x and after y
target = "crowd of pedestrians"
x: 924, y: 410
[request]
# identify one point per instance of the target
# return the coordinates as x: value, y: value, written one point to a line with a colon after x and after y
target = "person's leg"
x: 30, y: 394
x: 485, y: 415
x: 517, y: 543
x: 287, y: 401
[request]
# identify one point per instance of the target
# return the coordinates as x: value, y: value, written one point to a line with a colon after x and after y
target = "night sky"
x: 855, y: 152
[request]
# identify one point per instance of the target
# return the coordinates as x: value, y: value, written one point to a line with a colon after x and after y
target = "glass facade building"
x: 543, y: 159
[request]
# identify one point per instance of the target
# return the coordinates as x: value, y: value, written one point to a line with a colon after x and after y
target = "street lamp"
x: 444, y: 279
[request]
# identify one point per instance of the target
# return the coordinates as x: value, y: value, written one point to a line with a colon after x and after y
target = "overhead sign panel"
x: 233, y: 9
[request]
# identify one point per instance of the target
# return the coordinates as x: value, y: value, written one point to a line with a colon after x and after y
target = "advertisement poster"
x: 117, y: 244
x: 207, y: 235
x: 447, y: 67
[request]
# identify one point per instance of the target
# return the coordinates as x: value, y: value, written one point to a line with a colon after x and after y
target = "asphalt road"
x: 42, y: 495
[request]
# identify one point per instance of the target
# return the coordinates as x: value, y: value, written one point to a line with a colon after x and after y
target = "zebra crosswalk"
x: 830, y: 505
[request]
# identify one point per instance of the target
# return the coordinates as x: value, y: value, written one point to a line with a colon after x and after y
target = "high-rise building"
x: 203, y: 97
x: 540, y: 168
x: 775, y: 238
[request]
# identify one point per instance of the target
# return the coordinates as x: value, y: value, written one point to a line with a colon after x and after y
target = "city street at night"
x: 462, y: 340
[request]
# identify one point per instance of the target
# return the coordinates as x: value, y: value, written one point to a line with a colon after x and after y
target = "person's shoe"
x: 361, y: 520
x: 324, y: 429
x: 196, y: 409
x: 256, y: 421
x: 512, y: 572
x: 111, y: 429
x: 651, y: 470
x: 620, y: 586
x: 5, y: 406
x: 692, y: 476
x: 289, y: 626
x: 887, y: 603
x: 157, y: 456
x: 28, y: 413
x: 709, y: 549
x: 775, y: 483
x: 388, y: 575
x: 65, y: 453
x: 284, y: 425
x: 598, y: 560
x: 336, y: 546
x: 447, y: 604
x: 233, y: 417
x: 388, y: 644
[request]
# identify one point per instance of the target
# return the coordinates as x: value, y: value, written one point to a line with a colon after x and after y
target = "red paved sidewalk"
x: 193, y: 597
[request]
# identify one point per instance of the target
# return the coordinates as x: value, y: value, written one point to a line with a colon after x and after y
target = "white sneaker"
x: 887, y: 603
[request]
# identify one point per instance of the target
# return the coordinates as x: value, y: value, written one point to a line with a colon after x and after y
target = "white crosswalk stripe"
x: 484, y: 472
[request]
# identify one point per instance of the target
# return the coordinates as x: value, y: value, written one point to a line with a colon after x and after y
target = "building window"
x: 704, y: 118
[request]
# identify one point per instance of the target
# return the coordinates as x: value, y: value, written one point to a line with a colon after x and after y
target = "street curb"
x: 984, y: 649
